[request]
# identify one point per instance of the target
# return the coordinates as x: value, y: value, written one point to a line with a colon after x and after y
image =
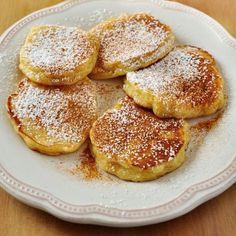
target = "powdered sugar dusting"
x: 9, y: 61
x: 135, y: 134
x: 94, y: 17
x: 109, y: 92
x: 65, y: 113
x: 57, y: 49
x: 130, y: 37
x: 183, y: 74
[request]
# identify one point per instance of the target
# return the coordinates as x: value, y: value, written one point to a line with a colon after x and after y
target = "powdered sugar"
x: 129, y: 38
x: 181, y: 74
x: 130, y: 132
x: 94, y: 17
x: 57, y: 49
x: 65, y: 114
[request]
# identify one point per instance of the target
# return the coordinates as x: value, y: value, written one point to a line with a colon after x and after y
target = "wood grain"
x: 216, y: 217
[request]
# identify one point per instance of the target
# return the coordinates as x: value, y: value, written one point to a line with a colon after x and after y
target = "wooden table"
x: 216, y: 217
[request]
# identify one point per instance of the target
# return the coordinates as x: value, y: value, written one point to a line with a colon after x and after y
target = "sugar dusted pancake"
x: 130, y: 42
x: 58, y: 55
x: 133, y: 144
x: 184, y: 84
x: 53, y: 120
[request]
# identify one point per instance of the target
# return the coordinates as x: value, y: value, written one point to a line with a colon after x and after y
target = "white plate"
x: 36, y: 179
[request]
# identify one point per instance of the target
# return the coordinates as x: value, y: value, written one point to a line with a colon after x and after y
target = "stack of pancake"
x: 144, y: 135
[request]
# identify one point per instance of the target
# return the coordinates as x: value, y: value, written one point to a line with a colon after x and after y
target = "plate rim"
x: 85, y: 213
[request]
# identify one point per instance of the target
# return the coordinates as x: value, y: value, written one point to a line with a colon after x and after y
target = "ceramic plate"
x: 61, y: 185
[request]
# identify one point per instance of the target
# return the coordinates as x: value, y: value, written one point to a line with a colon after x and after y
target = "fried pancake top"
x: 57, y: 49
x: 128, y: 37
x: 187, y: 75
x: 137, y: 136
x: 64, y: 112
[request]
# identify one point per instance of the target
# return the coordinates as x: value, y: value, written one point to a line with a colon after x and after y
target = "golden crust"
x: 57, y: 55
x: 134, y: 144
x: 129, y: 43
x: 53, y: 120
x: 184, y: 84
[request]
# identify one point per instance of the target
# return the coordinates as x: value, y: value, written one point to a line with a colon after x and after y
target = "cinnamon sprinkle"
x: 88, y: 165
x: 206, y: 126
x: 132, y: 133
x: 65, y: 113
x: 129, y: 37
x: 185, y: 75
x: 199, y: 131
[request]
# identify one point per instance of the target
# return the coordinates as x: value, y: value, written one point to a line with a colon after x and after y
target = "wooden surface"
x: 216, y: 217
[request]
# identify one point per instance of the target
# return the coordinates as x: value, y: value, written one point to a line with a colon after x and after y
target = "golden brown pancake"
x: 184, y: 84
x: 53, y: 120
x: 130, y: 42
x: 133, y: 144
x: 58, y: 55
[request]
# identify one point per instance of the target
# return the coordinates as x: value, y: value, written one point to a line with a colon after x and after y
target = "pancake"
x: 184, y: 84
x: 53, y: 120
x: 130, y: 42
x: 134, y: 144
x: 58, y: 55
